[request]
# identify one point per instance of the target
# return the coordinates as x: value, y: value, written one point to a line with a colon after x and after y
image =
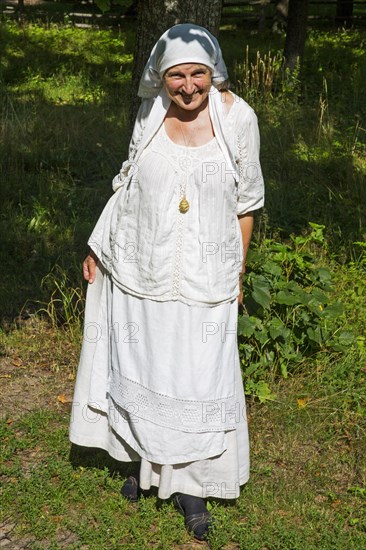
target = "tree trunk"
x: 344, y: 11
x: 154, y: 17
x: 296, y: 33
x: 262, y: 8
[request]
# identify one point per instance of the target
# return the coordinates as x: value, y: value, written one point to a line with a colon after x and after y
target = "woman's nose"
x: 188, y: 86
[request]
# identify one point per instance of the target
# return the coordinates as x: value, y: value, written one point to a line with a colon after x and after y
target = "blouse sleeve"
x: 128, y: 168
x: 251, y: 185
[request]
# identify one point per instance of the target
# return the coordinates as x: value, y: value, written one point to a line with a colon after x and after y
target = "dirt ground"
x: 25, y: 389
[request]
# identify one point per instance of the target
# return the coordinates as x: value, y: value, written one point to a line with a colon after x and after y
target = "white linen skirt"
x: 160, y: 383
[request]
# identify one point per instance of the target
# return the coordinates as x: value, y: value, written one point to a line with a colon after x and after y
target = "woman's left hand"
x: 240, y: 295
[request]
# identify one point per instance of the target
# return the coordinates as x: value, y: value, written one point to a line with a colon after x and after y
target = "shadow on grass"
x: 90, y: 457
x: 314, y: 178
x: 64, y: 128
x: 98, y: 458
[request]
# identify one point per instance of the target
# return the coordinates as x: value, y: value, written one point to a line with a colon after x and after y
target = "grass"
x: 63, y: 128
x: 307, y: 488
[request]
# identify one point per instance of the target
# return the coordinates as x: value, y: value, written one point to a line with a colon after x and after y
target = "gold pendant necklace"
x: 184, y: 204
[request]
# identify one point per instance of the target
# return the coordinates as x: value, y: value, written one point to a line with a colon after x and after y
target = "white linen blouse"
x: 150, y: 248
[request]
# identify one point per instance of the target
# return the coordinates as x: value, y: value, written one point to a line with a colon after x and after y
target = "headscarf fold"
x: 183, y: 43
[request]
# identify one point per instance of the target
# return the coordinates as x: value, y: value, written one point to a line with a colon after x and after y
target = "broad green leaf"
x: 315, y: 307
x: 294, y: 286
x: 304, y: 316
x: 287, y: 298
x: 278, y: 247
x: 262, y: 336
x: 272, y: 268
x: 262, y: 296
x: 246, y: 326
x: 278, y: 329
x: 260, y: 281
x: 103, y: 5
x: 261, y: 291
x: 298, y: 292
x: 270, y: 357
x: 254, y: 256
x: 346, y: 338
x: 284, y: 370
x: 252, y: 368
x: 320, y: 296
x: 317, y: 232
x: 324, y: 274
x: 315, y: 334
x: 333, y: 311
x: 263, y: 392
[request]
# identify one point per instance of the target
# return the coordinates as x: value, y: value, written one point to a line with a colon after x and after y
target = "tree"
x: 296, y: 33
x: 156, y: 16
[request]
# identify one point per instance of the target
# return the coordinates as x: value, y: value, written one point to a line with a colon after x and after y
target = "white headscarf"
x: 183, y: 43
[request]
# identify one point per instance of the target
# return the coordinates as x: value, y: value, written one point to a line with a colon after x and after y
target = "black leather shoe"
x: 197, y: 524
x: 130, y: 489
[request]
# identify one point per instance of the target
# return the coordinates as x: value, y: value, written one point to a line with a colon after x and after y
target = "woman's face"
x: 188, y: 84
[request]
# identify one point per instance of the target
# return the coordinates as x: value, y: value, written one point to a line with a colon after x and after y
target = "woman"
x: 159, y: 377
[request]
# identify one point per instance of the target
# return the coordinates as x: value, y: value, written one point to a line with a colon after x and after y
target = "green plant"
x: 265, y: 77
x: 291, y: 312
x: 66, y: 304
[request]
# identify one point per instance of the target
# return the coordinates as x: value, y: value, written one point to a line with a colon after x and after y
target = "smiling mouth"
x: 189, y: 97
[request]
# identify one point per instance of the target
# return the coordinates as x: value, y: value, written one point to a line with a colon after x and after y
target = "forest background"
x: 65, y: 94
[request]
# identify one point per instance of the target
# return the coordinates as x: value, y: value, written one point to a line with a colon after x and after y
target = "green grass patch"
x: 307, y: 488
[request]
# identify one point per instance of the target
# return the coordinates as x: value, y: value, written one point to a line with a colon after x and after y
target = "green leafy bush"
x: 290, y: 311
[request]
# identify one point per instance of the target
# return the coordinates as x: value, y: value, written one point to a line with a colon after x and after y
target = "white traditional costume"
x: 159, y: 376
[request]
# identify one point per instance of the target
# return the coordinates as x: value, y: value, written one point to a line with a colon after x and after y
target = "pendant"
x: 183, y: 205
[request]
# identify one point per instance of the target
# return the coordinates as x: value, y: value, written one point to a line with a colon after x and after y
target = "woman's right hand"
x: 90, y: 267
